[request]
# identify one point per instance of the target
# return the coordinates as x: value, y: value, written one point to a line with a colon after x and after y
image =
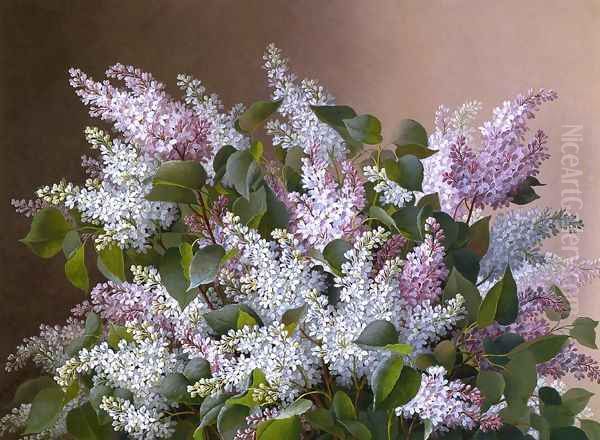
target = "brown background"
x: 393, y: 58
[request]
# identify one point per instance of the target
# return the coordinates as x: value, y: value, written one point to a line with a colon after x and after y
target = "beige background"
x: 392, y: 58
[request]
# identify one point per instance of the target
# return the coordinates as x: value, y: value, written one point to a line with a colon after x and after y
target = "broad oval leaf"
x: 173, y: 277
x: 567, y: 433
x: 501, y: 302
x: 543, y: 348
x: 76, y: 271
x: 406, y: 388
x: 278, y: 429
x: 343, y: 406
x: 111, y: 263
x: 591, y: 429
x: 174, y: 387
x: 584, y: 331
x: 385, y: 377
x: 227, y: 317
x: 491, y: 384
x: 180, y: 173
x: 231, y: 418
x: 47, y: 232
x: 378, y: 333
x: 576, y: 399
x: 407, y: 172
x: 334, y: 253
x: 45, y: 409
x: 364, y: 128
x: 205, y: 265
x: 457, y: 284
x: 410, y: 133
x: 256, y: 114
x: 196, y: 369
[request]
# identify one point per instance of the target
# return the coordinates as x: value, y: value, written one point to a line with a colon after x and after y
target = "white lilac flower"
x: 47, y: 350
x: 425, y: 324
x: 275, y: 276
x: 444, y: 403
x: 516, y: 237
x: 116, y: 201
x: 301, y: 127
x: 143, y: 422
x: 390, y: 192
x: 286, y: 360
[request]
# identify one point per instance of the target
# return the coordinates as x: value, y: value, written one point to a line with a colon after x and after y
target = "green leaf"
x: 445, y: 354
x: 256, y: 150
x: 251, y: 210
x: 501, y: 302
x: 358, y: 430
x: 242, y: 172
x: 584, y: 331
x: 465, y: 261
x: 525, y: 193
x: 565, y: 306
x: 343, y: 406
x: 576, y: 399
x: 187, y: 253
x: 292, y: 317
x: 410, y: 133
x: 591, y: 429
x: 491, y: 385
x: 297, y: 408
x: 543, y: 348
x: 210, y: 407
x: 279, y: 429
x: 549, y: 396
x: 276, y: 216
x: 245, y: 319
x: 27, y: 391
x: 378, y: 334
x: 364, y: 128
x: 246, y: 398
x: 406, y: 221
x: 230, y: 419
x: 502, y: 345
x: 220, y: 161
x: 385, y: 377
x: 520, y: 376
x: 76, y: 271
x: 256, y: 115
x: 45, y: 409
x: 116, y: 333
x: 205, y: 265
x: 381, y: 215
x: 432, y: 200
x: 567, y: 433
x: 83, y: 424
x: 111, y: 263
x: 323, y: 420
x: 196, y: 369
x: 47, y: 232
x: 418, y: 151
x: 71, y: 243
x: 407, y: 172
x: 457, y: 284
x: 199, y: 434
x: 334, y: 253
x: 226, y: 318
x: 406, y: 388
x: 187, y: 174
x: 174, y: 387
x: 402, y: 349
x: 97, y: 392
x: 173, y: 194
x: 479, y: 236
x: 173, y: 278
x: 334, y: 115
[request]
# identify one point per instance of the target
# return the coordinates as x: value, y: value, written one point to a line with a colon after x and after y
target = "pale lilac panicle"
x: 446, y: 404
x: 328, y: 209
x: 252, y: 421
x: 571, y: 361
x: 390, y: 192
x: 144, y: 113
x: 488, y: 175
x: 47, y: 350
x: 300, y: 127
x: 286, y: 360
x: 424, y: 271
x: 274, y: 276
x: 30, y: 207
x: 516, y: 237
x: 364, y: 296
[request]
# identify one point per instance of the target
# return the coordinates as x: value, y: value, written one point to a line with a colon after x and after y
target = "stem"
x: 471, y: 209
x: 206, y: 298
x: 205, y: 215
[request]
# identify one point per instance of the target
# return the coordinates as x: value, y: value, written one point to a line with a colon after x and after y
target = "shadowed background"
x: 392, y: 58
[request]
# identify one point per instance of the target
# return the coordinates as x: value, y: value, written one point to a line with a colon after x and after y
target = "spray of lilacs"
x: 289, y: 287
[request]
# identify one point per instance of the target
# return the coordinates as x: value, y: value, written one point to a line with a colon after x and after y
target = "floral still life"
x: 321, y: 287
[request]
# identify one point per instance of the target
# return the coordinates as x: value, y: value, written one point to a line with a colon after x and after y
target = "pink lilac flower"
x: 145, y: 114
x: 424, y: 270
x: 330, y: 206
x: 392, y: 248
x: 490, y: 174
